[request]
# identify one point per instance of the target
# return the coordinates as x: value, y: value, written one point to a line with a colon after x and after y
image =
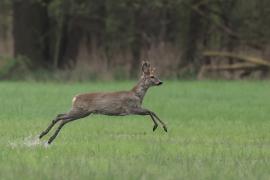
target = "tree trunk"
x: 69, y: 46
x: 136, y: 45
x: 30, y: 24
x: 189, y: 60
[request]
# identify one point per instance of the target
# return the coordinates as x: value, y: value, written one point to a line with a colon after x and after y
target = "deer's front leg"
x: 163, y: 124
x: 141, y: 111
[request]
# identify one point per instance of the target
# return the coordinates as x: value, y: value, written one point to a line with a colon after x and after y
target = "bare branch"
x: 249, y: 59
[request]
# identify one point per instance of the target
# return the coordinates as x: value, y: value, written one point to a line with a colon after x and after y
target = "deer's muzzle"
x: 160, y: 82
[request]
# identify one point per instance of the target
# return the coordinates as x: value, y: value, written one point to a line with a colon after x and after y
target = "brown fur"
x: 114, y: 103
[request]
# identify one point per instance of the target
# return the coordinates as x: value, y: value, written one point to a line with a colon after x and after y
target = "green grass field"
x: 216, y: 130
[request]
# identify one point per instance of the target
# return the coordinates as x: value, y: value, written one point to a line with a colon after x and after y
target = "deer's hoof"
x: 50, y: 140
x: 165, y: 128
x: 155, y: 127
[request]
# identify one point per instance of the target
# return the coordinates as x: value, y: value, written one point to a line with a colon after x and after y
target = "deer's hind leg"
x: 71, y: 116
x: 57, y: 118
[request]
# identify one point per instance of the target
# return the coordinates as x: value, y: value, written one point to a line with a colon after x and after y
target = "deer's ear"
x: 146, y: 67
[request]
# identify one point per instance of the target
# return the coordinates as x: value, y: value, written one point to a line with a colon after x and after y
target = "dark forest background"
x: 107, y: 39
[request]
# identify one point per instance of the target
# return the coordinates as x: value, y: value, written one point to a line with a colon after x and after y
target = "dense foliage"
x: 49, y: 32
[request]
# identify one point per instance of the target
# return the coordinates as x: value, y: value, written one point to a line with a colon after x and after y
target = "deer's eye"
x: 151, y: 76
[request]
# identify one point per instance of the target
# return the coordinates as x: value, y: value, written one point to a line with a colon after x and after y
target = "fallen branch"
x: 237, y: 66
x: 249, y: 59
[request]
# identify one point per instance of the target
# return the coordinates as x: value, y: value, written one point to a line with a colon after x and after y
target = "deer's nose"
x: 160, y: 82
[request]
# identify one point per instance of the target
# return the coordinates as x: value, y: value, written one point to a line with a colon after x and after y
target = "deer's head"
x: 149, y: 77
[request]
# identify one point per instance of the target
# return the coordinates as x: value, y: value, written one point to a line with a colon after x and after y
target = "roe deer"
x: 114, y: 104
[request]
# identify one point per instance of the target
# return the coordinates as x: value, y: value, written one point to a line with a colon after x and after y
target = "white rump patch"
x: 74, y: 99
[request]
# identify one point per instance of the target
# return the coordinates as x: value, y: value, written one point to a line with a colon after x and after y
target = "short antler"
x: 152, y: 70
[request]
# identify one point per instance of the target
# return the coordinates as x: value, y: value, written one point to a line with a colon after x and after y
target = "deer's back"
x: 114, y: 103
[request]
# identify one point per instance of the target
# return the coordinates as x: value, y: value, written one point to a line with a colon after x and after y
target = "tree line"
x: 48, y: 33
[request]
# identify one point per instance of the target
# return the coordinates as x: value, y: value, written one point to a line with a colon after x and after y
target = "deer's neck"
x: 140, y: 89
